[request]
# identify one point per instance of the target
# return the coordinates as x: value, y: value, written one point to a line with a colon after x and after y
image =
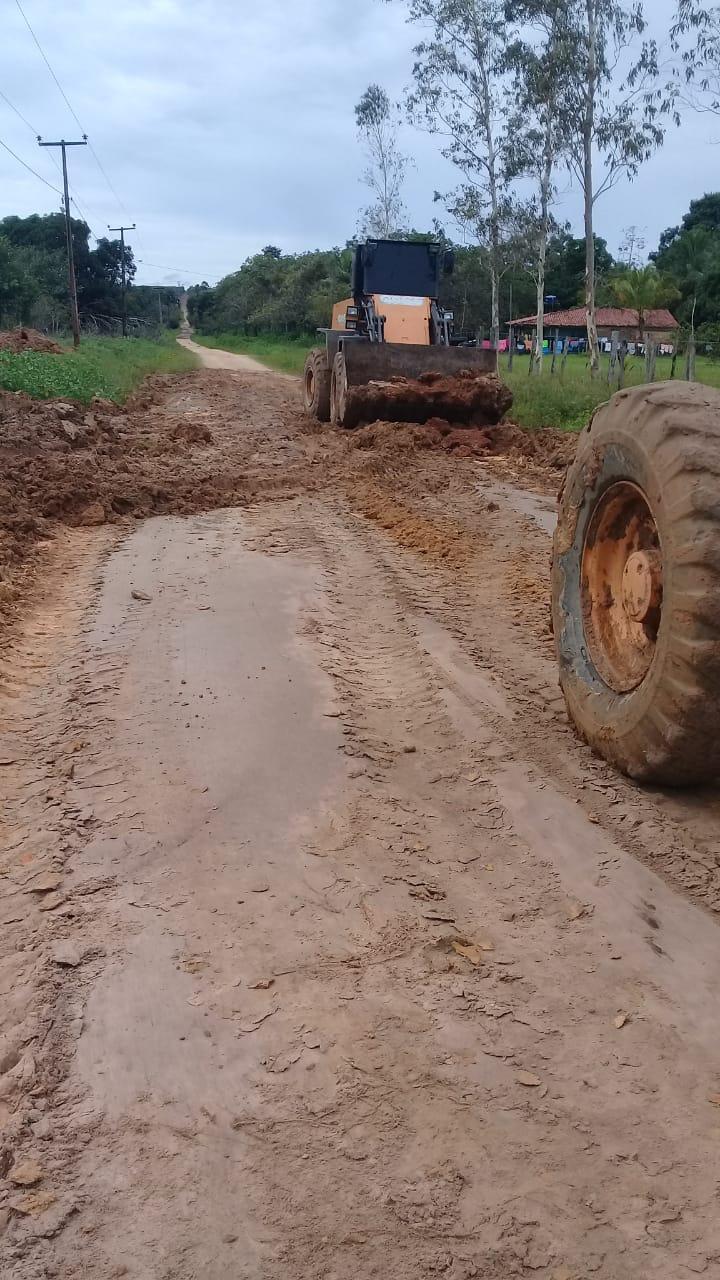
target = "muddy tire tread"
x: 675, y: 740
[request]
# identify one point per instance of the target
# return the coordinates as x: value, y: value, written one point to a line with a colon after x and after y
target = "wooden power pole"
x: 72, y: 282
x: 122, y: 231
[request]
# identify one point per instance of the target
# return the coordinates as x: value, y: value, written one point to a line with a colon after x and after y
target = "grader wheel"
x: 636, y: 584
x: 342, y: 413
x: 316, y: 385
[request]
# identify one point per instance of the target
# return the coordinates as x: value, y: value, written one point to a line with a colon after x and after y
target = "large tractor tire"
x: 343, y: 411
x: 636, y: 584
x: 316, y: 385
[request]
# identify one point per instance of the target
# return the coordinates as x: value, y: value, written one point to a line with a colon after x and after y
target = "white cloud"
x: 228, y: 124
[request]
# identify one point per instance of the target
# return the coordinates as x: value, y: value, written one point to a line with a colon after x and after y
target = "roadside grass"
x: 284, y: 354
x: 107, y: 367
x: 567, y: 400
x: 564, y: 400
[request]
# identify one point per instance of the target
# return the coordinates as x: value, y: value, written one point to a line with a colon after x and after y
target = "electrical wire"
x: 18, y: 113
x: 71, y: 109
x: 29, y: 168
x: 180, y: 271
x: 48, y: 151
x: 47, y: 64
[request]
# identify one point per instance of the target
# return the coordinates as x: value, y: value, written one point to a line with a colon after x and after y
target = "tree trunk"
x: 495, y: 300
x: 511, y: 349
x: 542, y: 250
x: 690, y: 356
x: 588, y: 134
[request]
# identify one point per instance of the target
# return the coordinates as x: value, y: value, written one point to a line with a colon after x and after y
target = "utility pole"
x: 122, y: 231
x: 74, y: 317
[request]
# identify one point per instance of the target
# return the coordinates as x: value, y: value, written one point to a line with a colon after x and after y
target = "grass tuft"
x: 108, y: 367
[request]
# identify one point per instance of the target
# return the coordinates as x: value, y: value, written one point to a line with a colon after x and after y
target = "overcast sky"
x: 225, y: 125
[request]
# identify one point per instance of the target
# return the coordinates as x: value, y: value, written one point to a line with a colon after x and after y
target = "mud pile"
x: 81, y: 465
x: 548, y: 449
x: 18, y: 340
x: 207, y: 440
x: 467, y: 396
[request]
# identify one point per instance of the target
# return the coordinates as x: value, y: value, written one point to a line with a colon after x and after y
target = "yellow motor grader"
x: 390, y: 351
x: 636, y: 551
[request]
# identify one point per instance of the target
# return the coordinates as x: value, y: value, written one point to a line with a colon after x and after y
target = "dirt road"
x: 213, y: 359
x: 326, y: 949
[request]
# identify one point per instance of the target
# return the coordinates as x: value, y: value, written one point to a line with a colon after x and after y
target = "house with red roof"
x: 659, y: 325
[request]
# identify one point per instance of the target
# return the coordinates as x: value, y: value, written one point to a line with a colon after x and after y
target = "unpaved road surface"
x: 326, y: 950
x: 214, y: 359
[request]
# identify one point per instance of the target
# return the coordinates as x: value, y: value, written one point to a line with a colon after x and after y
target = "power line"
x: 29, y: 168
x: 18, y: 113
x: 47, y: 64
x: 71, y: 109
x: 182, y: 271
x: 51, y: 156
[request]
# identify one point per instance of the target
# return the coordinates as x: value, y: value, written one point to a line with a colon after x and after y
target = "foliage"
x: 615, y: 121
x: 698, y: 72
x: 107, y: 367
x: 377, y: 125
x: 692, y: 258
x: 461, y: 93
x: 704, y: 213
x: 642, y: 289
x: 291, y: 294
x: 566, y: 268
x: 538, y: 59
x: 34, y: 278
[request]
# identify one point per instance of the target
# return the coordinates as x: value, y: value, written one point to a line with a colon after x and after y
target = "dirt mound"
x: 80, y: 464
x: 468, y: 396
x: 17, y: 340
x: 546, y: 447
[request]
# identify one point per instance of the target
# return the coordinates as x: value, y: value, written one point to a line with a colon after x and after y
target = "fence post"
x: 612, y: 367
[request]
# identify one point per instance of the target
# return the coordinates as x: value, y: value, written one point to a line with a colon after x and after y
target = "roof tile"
x: 607, y: 318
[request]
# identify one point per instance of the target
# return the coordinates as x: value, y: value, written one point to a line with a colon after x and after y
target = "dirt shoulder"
x: 326, y: 947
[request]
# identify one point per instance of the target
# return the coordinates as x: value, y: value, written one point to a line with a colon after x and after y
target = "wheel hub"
x: 622, y: 587
x: 641, y: 584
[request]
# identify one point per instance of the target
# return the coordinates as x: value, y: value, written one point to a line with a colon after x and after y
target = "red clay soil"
x: 18, y: 340
x: 467, y: 396
x: 547, y: 448
x: 207, y: 440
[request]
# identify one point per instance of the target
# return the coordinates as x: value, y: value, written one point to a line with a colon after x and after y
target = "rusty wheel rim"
x: 622, y: 587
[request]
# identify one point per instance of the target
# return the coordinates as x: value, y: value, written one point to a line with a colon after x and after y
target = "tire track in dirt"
x: 406, y: 1110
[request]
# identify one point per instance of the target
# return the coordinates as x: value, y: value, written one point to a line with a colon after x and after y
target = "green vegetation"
x: 107, y: 367
x: 290, y: 295
x: 564, y: 400
x: 567, y: 399
x: 285, y: 354
x: 33, y: 280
